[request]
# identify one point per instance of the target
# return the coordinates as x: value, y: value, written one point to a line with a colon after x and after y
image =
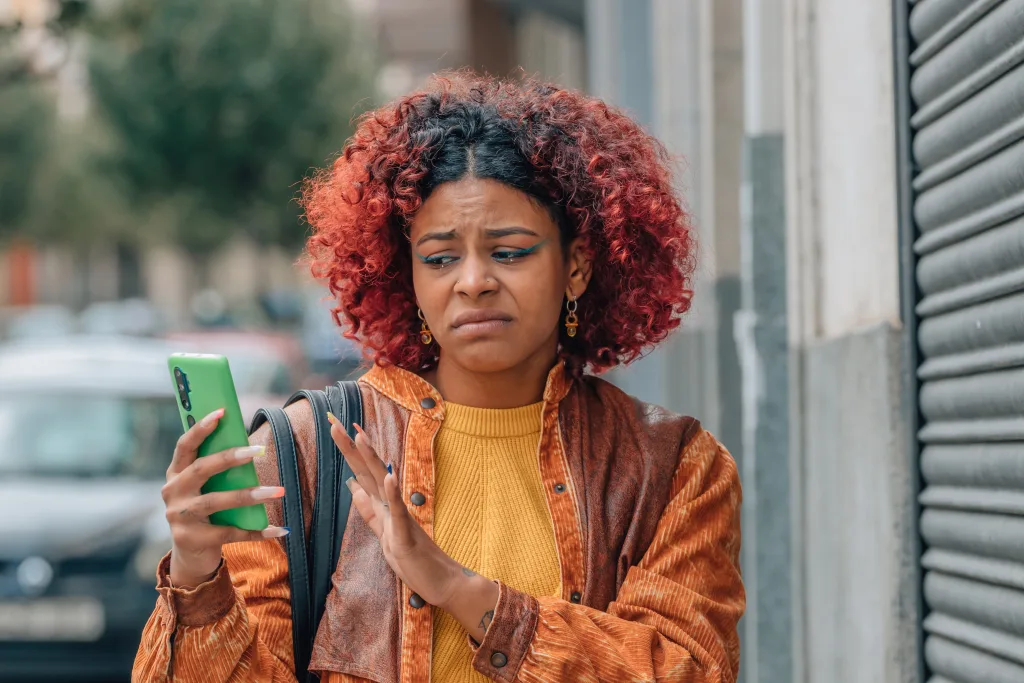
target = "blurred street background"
x: 854, y: 173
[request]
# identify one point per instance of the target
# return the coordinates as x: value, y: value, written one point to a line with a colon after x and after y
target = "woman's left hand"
x: 421, y: 565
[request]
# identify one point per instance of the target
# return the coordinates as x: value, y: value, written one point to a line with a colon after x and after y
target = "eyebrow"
x: 505, y: 232
x: 439, y: 236
x: 493, y: 233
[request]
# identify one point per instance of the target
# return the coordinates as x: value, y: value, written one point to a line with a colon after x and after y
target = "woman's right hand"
x: 196, y: 544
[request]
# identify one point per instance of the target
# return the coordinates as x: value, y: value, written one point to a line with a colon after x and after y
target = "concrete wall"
x: 853, y: 471
x: 860, y: 560
x: 842, y: 175
x: 551, y: 49
x: 418, y: 37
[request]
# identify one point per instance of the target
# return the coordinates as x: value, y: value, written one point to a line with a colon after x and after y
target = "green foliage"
x: 25, y: 115
x: 221, y: 108
x: 27, y: 121
x: 73, y: 202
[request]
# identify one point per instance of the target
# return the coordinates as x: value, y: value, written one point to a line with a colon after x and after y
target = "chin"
x: 487, y: 357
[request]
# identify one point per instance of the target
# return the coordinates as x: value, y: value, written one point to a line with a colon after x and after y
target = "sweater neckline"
x: 493, y: 422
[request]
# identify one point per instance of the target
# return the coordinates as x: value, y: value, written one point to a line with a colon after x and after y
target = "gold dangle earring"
x: 571, y: 321
x: 426, y: 337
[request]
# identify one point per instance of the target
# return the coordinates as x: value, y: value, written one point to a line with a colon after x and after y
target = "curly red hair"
x: 608, y: 178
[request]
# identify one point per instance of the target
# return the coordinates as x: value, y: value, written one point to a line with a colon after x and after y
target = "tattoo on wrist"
x: 485, y: 621
x: 468, y: 572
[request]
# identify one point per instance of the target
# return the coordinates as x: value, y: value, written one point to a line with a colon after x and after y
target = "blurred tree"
x: 34, y: 45
x: 72, y: 201
x: 24, y: 127
x: 219, y: 109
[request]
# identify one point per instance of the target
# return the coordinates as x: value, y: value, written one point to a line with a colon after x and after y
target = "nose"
x: 475, y: 279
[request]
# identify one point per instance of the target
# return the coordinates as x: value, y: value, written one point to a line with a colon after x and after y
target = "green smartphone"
x: 203, y: 384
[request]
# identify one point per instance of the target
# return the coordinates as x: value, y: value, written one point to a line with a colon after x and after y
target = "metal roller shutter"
x: 968, y: 89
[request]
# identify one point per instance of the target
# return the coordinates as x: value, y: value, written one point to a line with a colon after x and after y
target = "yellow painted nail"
x: 247, y: 452
x: 333, y: 420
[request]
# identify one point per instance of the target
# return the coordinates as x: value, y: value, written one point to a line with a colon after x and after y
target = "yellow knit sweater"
x: 490, y: 515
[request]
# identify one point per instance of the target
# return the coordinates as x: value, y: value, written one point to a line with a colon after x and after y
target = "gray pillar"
x: 762, y: 343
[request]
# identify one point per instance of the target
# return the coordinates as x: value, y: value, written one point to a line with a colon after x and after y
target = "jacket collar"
x: 416, y: 395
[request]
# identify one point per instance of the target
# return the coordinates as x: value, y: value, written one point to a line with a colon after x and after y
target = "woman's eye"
x: 510, y: 256
x: 439, y: 261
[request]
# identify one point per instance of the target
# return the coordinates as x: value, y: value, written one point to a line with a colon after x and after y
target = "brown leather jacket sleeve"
x: 236, y: 626
x: 675, y: 615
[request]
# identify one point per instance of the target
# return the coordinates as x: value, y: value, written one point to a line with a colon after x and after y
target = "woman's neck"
x: 518, y: 386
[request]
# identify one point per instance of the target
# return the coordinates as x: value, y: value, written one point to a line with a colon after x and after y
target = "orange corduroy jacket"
x: 645, y: 507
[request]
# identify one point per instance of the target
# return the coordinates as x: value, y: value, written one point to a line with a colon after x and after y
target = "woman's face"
x: 490, y: 274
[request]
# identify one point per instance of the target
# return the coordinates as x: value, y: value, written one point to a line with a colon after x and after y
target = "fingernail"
x: 358, y: 429
x: 276, y: 532
x: 333, y: 420
x: 348, y: 482
x: 249, y: 452
x: 211, y: 418
x: 267, y: 492
x: 389, y: 468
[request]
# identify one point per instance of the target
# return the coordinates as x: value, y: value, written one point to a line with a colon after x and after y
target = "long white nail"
x: 248, y: 452
x: 276, y: 531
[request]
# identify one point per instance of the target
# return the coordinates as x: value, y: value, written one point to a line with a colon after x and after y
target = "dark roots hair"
x: 603, y: 179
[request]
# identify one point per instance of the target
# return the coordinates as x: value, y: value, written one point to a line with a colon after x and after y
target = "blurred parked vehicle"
x: 40, y: 322
x: 136, y: 317
x: 88, y: 426
x: 267, y: 366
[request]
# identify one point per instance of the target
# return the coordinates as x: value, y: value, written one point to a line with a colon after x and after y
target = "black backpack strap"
x: 323, y: 531
x: 310, y: 565
x: 347, y: 404
x: 295, y: 542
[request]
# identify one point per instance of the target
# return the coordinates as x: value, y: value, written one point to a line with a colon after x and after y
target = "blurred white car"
x: 41, y: 322
x: 88, y: 427
x: 136, y: 317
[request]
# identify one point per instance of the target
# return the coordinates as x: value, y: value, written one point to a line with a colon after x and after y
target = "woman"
x: 487, y: 241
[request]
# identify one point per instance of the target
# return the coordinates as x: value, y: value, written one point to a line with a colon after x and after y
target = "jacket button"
x: 559, y: 488
x: 498, y: 660
x: 416, y: 601
x: 575, y: 597
x: 417, y: 498
x: 428, y: 403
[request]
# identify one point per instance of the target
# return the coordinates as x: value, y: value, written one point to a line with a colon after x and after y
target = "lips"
x: 480, y: 318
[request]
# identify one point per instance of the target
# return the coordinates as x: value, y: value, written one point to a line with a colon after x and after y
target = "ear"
x: 579, y: 266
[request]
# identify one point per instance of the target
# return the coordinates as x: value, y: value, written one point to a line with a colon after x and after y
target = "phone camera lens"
x: 182, y: 381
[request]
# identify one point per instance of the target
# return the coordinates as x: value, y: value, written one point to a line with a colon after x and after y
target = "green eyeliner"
x: 530, y: 250
x: 510, y: 255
